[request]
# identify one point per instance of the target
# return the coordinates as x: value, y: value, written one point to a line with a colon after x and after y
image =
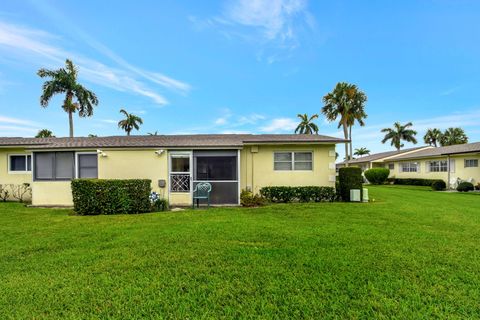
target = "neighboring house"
x: 447, y: 163
x: 378, y: 159
x: 174, y: 163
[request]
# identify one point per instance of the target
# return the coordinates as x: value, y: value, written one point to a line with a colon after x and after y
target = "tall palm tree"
x: 361, y: 152
x: 64, y: 81
x: 399, y: 133
x: 432, y: 137
x: 130, y: 122
x: 347, y: 103
x: 44, y: 133
x: 306, y: 125
x: 453, y: 136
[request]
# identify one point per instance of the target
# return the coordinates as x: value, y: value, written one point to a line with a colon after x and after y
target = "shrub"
x: 302, y: 194
x: 158, y: 203
x: 414, y: 182
x: 98, y: 196
x: 477, y: 187
x: 377, y: 175
x: 439, y: 185
x: 248, y: 199
x: 349, y: 178
x: 465, y: 186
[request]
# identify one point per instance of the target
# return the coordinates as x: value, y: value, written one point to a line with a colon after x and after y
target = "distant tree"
x: 130, y: 122
x: 453, y: 136
x: 347, y: 103
x: 399, y: 133
x: 153, y: 133
x: 432, y: 137
x: 91, y: 135
x: 64, y: 81
x: 306, y: 125
x: 45, y: 133
x: 361, y: 152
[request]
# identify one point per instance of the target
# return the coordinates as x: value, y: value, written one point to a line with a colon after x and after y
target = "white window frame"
x: 292, y: 162
x: 466, y: 161
x: 403, y: 165
x: 437, y: 166
x: 77, y: 169
x: 180, y: 154
x: 26, y: 171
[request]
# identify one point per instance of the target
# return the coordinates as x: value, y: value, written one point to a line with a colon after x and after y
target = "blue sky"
x: 243, y: 66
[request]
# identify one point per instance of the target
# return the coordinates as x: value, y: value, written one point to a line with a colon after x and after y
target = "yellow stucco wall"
x: 51, y: 193
x: 459, y: 172
x: 257, y: 167
x: 8, y: 178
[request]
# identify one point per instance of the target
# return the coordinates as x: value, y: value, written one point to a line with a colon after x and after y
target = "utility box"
x: 162, y: 183
x: 355, y: 195
x: 365, y: 195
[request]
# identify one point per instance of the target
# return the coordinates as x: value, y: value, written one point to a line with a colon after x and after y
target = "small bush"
x: 158, y: 203
x: 477, y: 187
x: 302, y: 194
x: 439, y: 185
x: 98, y: 196
x: 248, y: 199
x: 413, y: 182
x: 465, y: 186
x: 349, y: 178
x: 377, y: 175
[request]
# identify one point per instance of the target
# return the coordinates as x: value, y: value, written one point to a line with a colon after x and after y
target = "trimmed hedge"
x: 349, y: 178
x: 465, y: 186
x: 98, y: 196
x: 439, y: 185
x: 301, y: 194
x: 413, y: 182
x: 377, y: 175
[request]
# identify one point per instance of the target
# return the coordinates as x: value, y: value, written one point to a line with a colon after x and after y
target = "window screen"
x: 54, y: 165
x: 282, y: 161
x: 471, y: 163
x: 19, y: 163
x: 88, y: 166
x: 180, y: 163
x: 216, y: 168
x: 286, y: 161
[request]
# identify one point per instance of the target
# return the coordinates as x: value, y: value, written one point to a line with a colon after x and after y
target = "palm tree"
x: 130, y: 122
x: 45, y: 133
x: 361, y: 152
x: 453, y: 136
x: 153, y: 133
x: 306, y: 125
x: 346, y: 102
x: 399, y: 133
x: 64, y: 81
x: 91, y: 135
x: 432, y: 137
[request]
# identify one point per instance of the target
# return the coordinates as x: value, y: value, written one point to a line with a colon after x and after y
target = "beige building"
x: 174, y: 163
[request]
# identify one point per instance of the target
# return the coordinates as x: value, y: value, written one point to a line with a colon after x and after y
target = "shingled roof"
x: 164, y: 141
x: 382, y: 155
x: 442, y: 151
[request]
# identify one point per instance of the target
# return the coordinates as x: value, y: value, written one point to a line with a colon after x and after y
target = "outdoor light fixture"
x: 159, y: 152
x: 101, y: 153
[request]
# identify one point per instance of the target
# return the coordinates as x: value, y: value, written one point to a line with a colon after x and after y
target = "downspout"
x: 448, y: 175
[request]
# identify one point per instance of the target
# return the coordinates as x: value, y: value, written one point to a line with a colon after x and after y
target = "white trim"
x: 180, y: 154
x: 76, y: 161
x: 26, y: 164
x: 238, y: 176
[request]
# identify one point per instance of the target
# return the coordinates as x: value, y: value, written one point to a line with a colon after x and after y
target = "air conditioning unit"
x: 365, y: 195
x: 355, y: 195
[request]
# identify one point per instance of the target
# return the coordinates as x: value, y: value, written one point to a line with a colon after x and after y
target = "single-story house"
x: 377, y: 159
x: 446, y: 163
x: 174, y: 163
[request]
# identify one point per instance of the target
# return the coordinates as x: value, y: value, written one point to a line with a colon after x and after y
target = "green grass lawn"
x: 412, y: 253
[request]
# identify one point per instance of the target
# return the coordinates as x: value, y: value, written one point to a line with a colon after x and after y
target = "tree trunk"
x: 70, y: 122
x: 350, y: 137
x: 345, y: 134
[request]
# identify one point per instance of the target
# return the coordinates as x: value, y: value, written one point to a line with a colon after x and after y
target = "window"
x: 180, y: 173
x: 286, y: 161
x: 438, y: 166
x: 216, y: 168
x: 471, y: 163
x: 409, y: 167
x: 391, y: 166
x: 54, y: 165
x: 87, y: 165
x: 19, y: 163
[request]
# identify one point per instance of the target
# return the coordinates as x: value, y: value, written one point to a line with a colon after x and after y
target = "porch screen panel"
x: 220, y: 169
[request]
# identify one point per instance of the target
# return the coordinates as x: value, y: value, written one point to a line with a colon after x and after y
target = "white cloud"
x: 109, y: 121
x: 17, y: 127
x: 29, y: 44
x: 280, y: 125
x: 221, y: 121
x: 4, y: 119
